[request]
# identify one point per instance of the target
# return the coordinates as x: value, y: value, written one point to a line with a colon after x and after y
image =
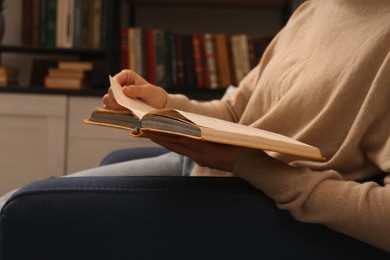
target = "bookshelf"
x: 20, y: 53
x: 212, y: 17
x: 84, y: 54
x: 145, y: 13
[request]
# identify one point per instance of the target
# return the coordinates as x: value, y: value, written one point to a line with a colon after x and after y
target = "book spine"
x: 131, y: 48
x: 230, y: 60
x: 168, y: 59
x: 60, y: 26
x: 36, y: 19
x: 180, y: 60
x: 69, y: 24
x: 78, y: 23
x: 172, y: 56
x: 240, y: 56
x: 222, y: 59
x: 42, y: 22
x: 205, y: 70
x: 104, y: 24
x: 151, y: 56
x: 144, y: 53
x: 139, y: 66
x: 210, y: 60
x: 188, y: 59
x: 96, y: 24
x: 198, y: 64
x: 86, y: 24
x: 159, y: 50
x: 51, y: 20
x: 27, y: 22
x: 124, y: 60
x: 194, y: 60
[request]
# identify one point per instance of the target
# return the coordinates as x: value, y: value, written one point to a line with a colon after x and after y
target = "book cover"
x: 169, y: 124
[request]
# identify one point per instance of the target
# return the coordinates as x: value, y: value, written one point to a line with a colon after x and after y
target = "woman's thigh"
x: 168, y: 164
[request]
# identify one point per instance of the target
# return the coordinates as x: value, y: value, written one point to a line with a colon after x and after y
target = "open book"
x: 145, y: 121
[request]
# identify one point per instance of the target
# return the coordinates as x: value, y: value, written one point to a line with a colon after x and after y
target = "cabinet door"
x: 32, y: 139
x: 88, y: 144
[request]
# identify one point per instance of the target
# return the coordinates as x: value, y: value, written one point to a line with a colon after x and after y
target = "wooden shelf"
x: 99, y: 91
x: 259, y: 3
x: 87, y: 53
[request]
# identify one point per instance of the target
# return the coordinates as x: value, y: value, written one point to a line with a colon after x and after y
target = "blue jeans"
x: 167, y: 164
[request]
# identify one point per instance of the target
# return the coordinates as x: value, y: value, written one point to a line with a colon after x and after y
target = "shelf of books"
x: 262, y: 3
x: 31, y: 49
x: 200, y: 65
x: 57, y: 31
x: 65, y: 23
x: 202, y: 61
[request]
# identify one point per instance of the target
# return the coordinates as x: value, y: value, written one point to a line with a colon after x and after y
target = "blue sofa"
x: 160, y: 218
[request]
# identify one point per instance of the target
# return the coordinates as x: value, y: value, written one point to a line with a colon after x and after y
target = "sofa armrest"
x: 155, y: 218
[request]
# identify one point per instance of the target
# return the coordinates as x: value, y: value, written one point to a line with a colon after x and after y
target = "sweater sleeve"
x: 359, y: 210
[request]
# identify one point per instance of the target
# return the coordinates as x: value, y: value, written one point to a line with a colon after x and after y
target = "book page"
x: 138, y: 107
x: 215, y: 123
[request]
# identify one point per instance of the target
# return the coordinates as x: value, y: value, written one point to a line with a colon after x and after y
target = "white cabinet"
x: 88, y: 144
x: 44, y: 136
x: 32, y: 139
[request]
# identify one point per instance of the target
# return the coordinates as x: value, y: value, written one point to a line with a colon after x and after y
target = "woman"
x: 324, y: 80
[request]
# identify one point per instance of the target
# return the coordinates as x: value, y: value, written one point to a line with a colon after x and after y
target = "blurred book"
x: 76, y: 65
x: 8, y: 76
x: 63, y: 83
x: 72, y: 75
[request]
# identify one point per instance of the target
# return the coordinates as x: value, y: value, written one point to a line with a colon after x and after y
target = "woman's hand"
x: 135, y: 86
x: 212, y: 155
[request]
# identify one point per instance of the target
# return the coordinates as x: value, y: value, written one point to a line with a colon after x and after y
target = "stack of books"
x: 72, y: 75
x: 8, y: 76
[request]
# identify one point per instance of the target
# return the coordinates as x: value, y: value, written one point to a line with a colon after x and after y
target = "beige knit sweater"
x: 324, y: 80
